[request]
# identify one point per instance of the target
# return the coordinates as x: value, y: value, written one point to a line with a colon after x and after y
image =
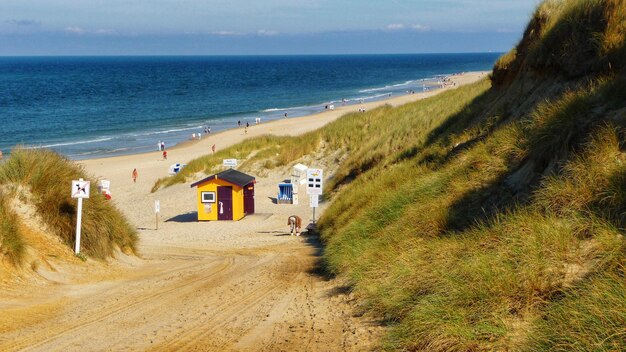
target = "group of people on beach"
x: 161, y: 148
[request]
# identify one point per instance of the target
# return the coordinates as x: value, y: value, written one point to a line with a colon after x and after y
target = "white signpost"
x: 314, y: 187
x: 80, y: 190
x: 157, y: 210
x: 230, y: 163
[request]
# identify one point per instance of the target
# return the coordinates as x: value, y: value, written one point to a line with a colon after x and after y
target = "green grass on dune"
x: 48, y: 177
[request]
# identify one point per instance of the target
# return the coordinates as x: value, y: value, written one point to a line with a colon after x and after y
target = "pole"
x: 314, y: 215
x: 79, y: 218
x: 157, y: 210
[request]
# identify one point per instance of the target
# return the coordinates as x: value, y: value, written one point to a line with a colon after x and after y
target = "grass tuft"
x: 48, y: 176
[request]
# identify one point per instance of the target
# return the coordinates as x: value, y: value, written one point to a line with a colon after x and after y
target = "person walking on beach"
x: 164, y: 154
x: 213, y: 148
x: 208, y: 130
x: 162, y: 145
x: 239, y: 123
x: 159, y: 146
x: 135, y: 175
x: 285, y: 115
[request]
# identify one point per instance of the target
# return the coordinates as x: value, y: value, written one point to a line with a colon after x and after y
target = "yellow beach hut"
x: 228, y: 195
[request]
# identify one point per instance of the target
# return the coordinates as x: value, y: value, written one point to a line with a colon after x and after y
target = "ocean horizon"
x: 96, y: 106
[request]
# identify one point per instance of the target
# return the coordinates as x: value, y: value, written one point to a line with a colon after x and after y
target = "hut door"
x: 224, y: 203
x: 248, y: 199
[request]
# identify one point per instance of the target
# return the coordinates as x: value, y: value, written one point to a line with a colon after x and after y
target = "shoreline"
x: 457, y: 78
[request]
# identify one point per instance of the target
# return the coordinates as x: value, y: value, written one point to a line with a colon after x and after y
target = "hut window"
x: 208, y: 197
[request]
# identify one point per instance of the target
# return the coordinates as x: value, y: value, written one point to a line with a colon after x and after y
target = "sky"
x: 248, y: 27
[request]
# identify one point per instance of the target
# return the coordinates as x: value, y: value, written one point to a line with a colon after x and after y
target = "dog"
x: 295, y: 223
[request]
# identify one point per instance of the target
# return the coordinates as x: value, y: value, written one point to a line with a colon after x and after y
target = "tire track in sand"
x: 53, y: 333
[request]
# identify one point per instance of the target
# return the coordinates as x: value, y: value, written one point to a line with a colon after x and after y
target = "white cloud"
x: 420, y: 28
x: 223, y: 33
x: 75, y: 30
x: 395, y: 26
x: 266, y: 32
x: 402, y: 27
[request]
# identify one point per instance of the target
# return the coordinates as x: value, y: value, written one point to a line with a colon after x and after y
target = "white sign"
x: 80, y: 189
x: 314, y: 200
x: 314, y: 181
x: 105, y: 184
x: 230, y: 162
x: 157, y: 206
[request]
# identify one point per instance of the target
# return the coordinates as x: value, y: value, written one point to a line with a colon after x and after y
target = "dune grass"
x: 11, y: 243
x: 48, y: 177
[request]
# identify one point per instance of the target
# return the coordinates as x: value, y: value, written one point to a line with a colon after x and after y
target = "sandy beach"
x: 244, y: 285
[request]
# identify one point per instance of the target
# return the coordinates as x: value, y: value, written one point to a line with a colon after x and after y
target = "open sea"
x: 86, y: 107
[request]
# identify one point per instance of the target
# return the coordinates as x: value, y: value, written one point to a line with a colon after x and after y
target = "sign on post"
x: 80, y: 190
x: 314, y: 186
x: 230, y: 162
x: 314, y: 181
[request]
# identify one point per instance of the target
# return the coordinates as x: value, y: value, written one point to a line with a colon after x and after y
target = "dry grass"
x: 48, y: 176
x: 11, y: 242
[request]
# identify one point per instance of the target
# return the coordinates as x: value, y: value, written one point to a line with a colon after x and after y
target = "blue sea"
x: 86, y: 107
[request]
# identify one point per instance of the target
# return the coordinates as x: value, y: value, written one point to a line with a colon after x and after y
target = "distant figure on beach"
x: 199, y: 136
x: 208, y: 130
x: 213, y: 148
x: 165, y: 155
x: 159, y: 146
x: 162, y: 145
x: 193, y: 136
x: 295, y: 224
x: 239, y: 123
x: 135, y: 175
x: 285, y: 115
x: 247, y: 124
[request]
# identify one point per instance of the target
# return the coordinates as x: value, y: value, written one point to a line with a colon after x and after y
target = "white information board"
x: 314, y: 181
x: 80, y: 189
x: 230, y: 162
